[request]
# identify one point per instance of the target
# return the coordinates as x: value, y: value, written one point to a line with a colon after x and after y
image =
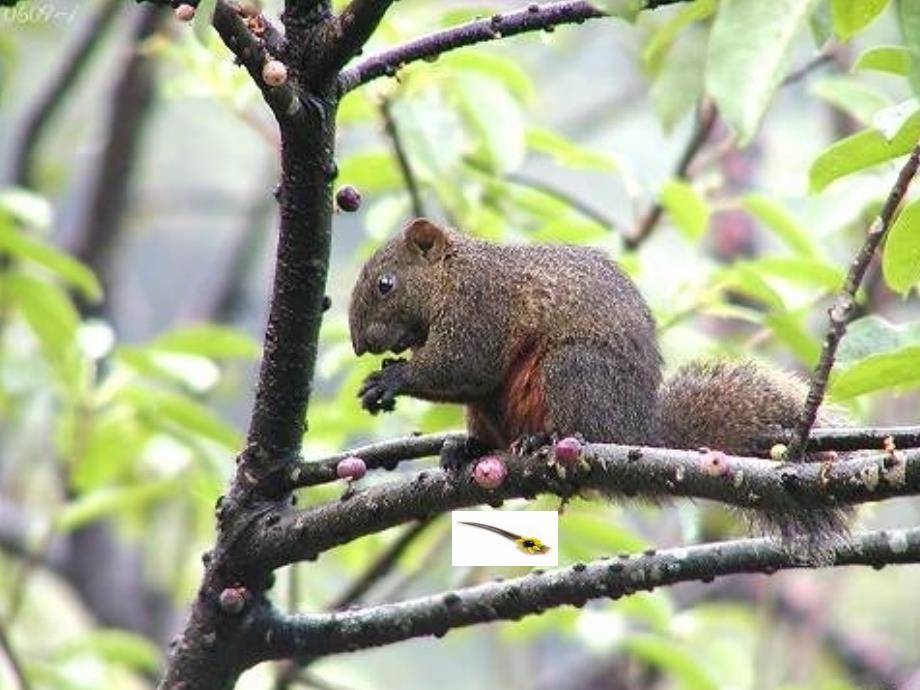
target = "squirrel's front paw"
x: 379, y: 390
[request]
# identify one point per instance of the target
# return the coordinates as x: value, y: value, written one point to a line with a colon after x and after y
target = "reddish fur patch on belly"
x: 482, y: 425
x: 523, y: 401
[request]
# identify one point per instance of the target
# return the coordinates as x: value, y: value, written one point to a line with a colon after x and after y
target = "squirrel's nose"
x: 360, y: 347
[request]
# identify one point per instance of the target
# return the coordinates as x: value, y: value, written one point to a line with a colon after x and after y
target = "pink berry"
x: 714, y: 463
x: 351, y: 468
x: 185, y: 13
x: 348, y: 199
x: 274, y: 73
x: 567, y: 450
x: 232, y: 600
x: 490, y: 472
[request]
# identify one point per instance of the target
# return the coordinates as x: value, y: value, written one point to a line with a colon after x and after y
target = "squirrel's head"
x: 391, y: 302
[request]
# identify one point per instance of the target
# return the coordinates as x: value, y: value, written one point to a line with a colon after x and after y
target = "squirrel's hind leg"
x: 600, y: 393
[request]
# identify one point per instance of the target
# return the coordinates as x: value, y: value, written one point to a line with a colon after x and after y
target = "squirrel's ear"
x: 425, y: 239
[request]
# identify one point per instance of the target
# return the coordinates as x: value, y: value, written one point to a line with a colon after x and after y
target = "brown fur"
x: 555, y: 338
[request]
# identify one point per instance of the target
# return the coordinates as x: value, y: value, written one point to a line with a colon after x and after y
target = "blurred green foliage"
x: 94, y: 429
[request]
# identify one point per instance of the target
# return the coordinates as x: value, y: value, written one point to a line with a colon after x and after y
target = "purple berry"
x: 351, y: 468
x: 185, y: 13
x: 490, y: 472
x: 348, y: 199
x: 232, y: 600
x: 567, y: 450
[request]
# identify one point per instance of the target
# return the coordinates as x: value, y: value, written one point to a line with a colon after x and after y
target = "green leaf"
x: 821, y: 25
x: 789, y: 329
x: 798, y: 269
x: 858, y: 100
x: 748, y: 50
x: 872, y: 335
x: 678, y: 85
x: 162, y: 408
x: 687, y: 208
x: 783, y: 225
x: 851, y: 16
x: 909, y: 16
x: 208, y: 340
x: 658, y: 45
x: 63, y: 265
x: 204, y: 19
x: 891, y: 59
x: 890, y: 120
x: 370, y: 171
x: 670, y: 656
x: 499, y: 125
x: 506, y: 70
x: 25, y: 207
x: 901, y: 256
x: 114, y: 646
x: 107, y: 500
x: 566, y: 152
x: 862, y: 150
x: 741, y: 277
x: 108, y: 447
x: 625, y: 9
x: 899, y: 368
x: 653, y: 608
x: 598, y: 533
x: 50, y: 315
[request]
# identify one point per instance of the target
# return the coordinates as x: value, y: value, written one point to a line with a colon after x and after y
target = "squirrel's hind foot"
x: 457, y: 454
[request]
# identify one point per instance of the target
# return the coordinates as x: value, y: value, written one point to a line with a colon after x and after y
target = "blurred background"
x: 137, y: 229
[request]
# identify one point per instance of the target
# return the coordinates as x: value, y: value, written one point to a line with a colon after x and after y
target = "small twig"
x: 13, y: 659
x: 534, y: 17
x: 577, y: 204
x: 850, y: 438
x: 845, y: 303
x: 386, y: 454
x: 354, y: 27
x: 424, y: 565
x: 705, y: 121
x: 402, y: 159
x: 380, y: 568
x: 825, y: 57
x: 253, y: 54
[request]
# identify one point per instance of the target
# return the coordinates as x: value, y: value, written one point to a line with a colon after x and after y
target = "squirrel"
x: 541, y: 341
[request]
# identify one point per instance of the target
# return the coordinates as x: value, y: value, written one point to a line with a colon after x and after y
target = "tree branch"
x: 323, y: 634
x: 705, y: 121
x: 252, y: 54
x: 845, y: 303
x: 534, y: 17
x: 385, y: 454
x: 352, y: 28
x: 388, y: 454
x: 752, y: 483
x: 402, y: 159
x: 850, y: 438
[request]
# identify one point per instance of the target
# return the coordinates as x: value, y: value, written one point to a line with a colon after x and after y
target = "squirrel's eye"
x: 386, y: 283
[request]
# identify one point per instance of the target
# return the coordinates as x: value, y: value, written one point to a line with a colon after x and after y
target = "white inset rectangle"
x: 504, y: 537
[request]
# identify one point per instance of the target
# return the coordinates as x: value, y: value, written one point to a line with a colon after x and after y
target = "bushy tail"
x: 726, y: 406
